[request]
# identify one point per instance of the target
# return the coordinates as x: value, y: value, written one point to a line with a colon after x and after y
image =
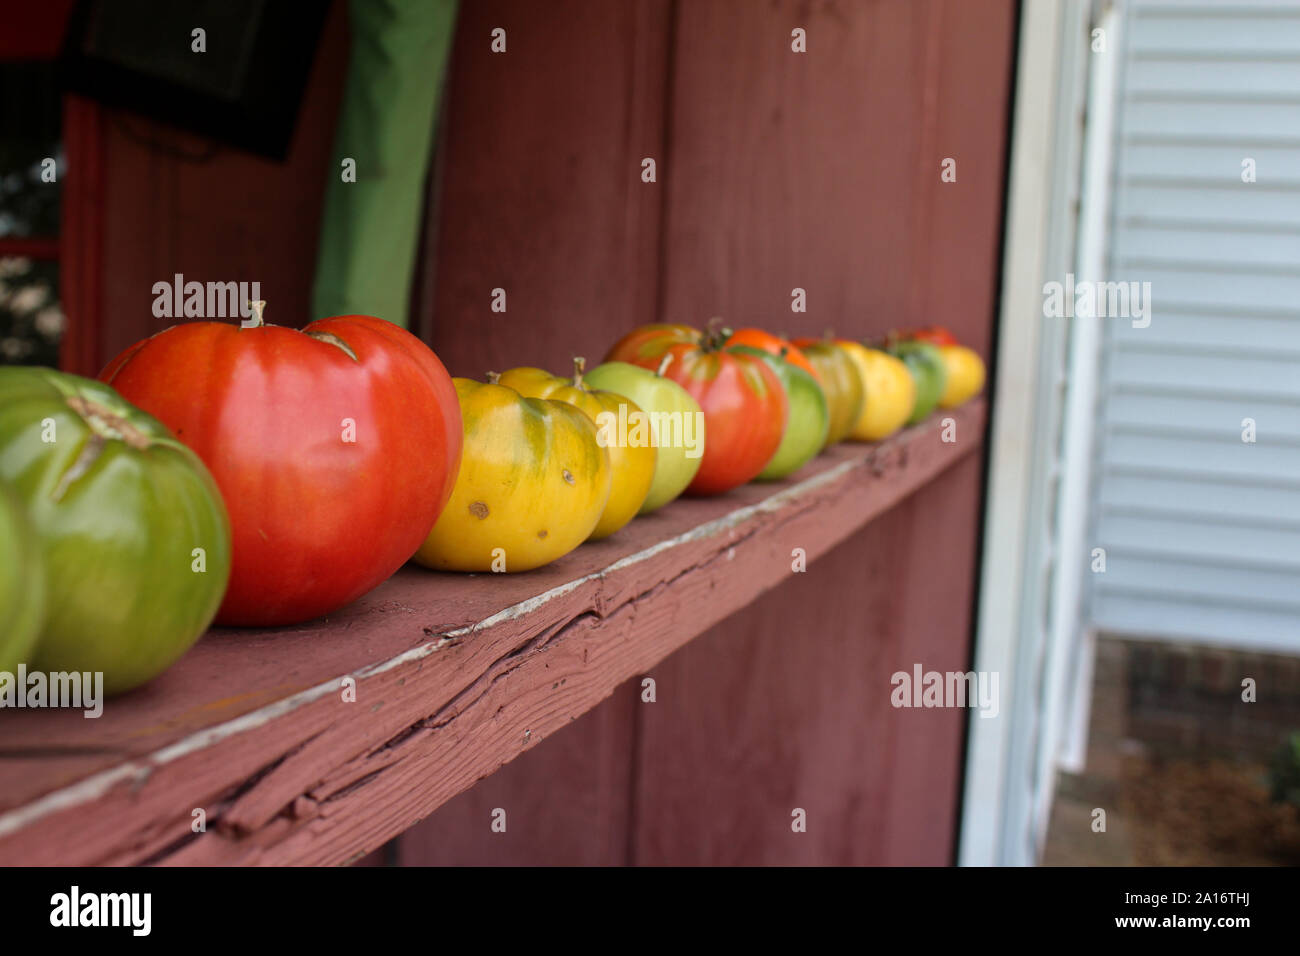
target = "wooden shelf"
x: 454, y: 676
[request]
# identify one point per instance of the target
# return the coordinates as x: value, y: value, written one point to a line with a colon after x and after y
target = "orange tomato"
x: 774, y: 345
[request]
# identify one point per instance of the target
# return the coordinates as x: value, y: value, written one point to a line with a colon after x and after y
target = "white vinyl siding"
x: 1202, y: 530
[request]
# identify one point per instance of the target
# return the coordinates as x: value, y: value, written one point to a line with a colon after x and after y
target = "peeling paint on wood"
x: 252, y: 728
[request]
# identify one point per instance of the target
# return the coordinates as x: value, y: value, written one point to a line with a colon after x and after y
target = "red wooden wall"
x: 776, y: 170
x: 173, y: 202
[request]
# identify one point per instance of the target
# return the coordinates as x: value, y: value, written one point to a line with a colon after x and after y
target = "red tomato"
x: 743, y: 401
x: 335, y: 449
x: 774, y: 345
x: 934, y: 334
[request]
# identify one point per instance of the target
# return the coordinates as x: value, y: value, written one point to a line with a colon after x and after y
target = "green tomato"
x: 926, y: 364
x: 134, y: 534
x: 22, y: 583
x: 676, y: 423
x: 807, y: 422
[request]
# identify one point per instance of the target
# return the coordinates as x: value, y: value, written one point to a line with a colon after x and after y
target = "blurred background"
x: 1121, y: 554
x: 1156, y: 582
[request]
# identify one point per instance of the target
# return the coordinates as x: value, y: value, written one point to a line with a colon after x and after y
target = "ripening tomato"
x: 841, y: 383
x: 22, y: 583
x: 965, y: 375
x: 129, y: 528
x: 890, y: 391
x: 676, y: 426
x: 807, y: 422
x: 533, y: 482
x: 743, y: 401
x: 964, y: 369
x: 335, y: 448
x: 631, y: 448
x: 774, y: 345
x: 925, y: 363
x: 934, y: 334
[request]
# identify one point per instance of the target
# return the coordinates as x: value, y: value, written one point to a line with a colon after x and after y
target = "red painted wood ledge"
x: 455, y: 675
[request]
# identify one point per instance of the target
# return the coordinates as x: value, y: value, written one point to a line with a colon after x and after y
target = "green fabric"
x: 370, y: 228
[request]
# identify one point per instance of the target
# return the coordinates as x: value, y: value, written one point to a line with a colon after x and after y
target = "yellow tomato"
x: 631, y: 448
x: 890, y: 388
x: 965, y: 375
x: 533, y: 482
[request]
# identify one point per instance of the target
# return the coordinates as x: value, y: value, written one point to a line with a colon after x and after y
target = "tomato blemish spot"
x: 542, y: 533
x: 478, y: 509
x: 568, y: 476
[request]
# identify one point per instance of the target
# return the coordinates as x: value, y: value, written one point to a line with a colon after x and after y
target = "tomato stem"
x: 108, y: 424
x: 579, y: 366
x: 494, y: 378
x: 715, y: 334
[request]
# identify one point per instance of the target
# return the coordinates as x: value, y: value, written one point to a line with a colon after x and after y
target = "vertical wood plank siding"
x: 775, y: 170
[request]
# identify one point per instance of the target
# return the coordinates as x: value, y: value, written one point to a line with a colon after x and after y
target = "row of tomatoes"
x: 264, y: 476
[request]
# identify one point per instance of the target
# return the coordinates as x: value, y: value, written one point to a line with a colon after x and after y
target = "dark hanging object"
x: 245, y: 87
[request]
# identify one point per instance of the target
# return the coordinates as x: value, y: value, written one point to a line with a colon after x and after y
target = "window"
x: 32, y: 167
